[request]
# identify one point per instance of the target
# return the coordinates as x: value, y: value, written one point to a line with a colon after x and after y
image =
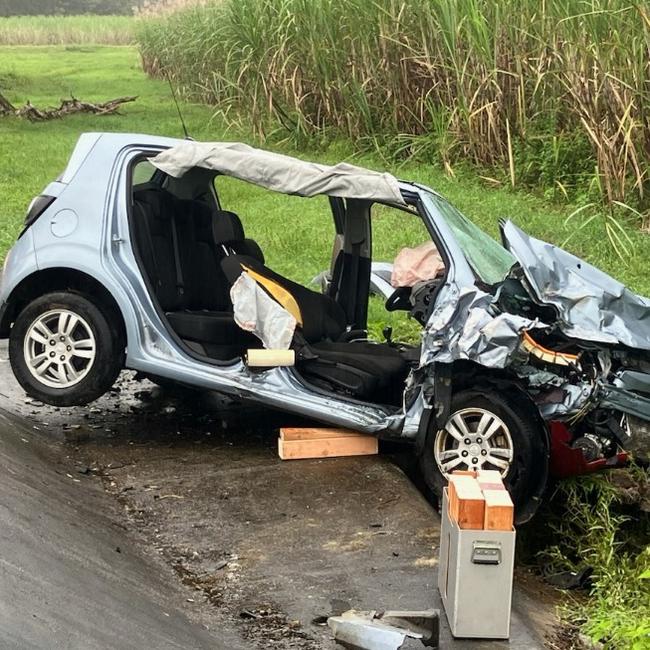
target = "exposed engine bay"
x: 594, y: 391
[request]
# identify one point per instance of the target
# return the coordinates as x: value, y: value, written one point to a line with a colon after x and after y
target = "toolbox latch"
x: 486, y: 553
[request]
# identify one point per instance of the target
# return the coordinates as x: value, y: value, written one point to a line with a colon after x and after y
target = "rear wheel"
x: 64, y: 350
x: 486, y: 430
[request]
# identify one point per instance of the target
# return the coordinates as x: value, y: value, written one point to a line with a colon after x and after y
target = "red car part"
x: 567, y: 461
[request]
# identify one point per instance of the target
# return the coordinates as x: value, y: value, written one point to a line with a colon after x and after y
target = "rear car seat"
x: 177, y: 247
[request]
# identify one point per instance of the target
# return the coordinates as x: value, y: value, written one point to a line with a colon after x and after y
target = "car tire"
x: 65, y: 350
x: 516, y: 432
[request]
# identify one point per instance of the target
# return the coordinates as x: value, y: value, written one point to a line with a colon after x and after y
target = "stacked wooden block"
x: 480, y: 501
x: 319, y: 442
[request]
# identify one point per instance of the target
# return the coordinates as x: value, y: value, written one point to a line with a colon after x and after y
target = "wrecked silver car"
x: 529, y: 361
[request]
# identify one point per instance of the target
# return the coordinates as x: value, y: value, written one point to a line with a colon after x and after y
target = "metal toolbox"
x: 475, y: 578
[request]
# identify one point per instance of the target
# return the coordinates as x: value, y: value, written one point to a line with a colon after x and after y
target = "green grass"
x: 591, y: 522
x: 296, y: 234
x: 33, y: 154
x: 67, y: 30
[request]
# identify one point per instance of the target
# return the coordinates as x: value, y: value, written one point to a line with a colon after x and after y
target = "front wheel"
x: 64, y: 350
x: 486, y: 430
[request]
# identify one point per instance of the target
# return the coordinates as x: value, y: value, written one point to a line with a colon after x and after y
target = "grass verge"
x: 599, y: 522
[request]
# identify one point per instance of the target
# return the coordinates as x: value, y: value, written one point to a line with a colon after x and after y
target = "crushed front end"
x: 588, y: 367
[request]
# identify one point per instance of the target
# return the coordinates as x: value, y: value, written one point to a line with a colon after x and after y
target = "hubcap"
x: 59, y: 348
x: 474, y: 438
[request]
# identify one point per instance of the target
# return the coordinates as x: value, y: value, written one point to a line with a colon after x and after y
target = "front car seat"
x: 369, y: 371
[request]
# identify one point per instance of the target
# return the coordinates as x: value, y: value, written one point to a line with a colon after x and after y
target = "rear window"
x: 143, y: 172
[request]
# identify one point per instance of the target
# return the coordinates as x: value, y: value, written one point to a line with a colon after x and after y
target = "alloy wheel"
x: 474, y: 438
x: 59, y: 348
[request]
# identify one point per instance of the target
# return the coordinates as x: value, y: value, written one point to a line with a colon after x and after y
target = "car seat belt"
x: 351, y: 303
x: 277, y: 292
x: 152, y: 250
x: 180, y: 283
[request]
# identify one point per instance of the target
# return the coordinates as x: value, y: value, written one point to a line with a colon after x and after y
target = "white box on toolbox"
x: 475, y: 578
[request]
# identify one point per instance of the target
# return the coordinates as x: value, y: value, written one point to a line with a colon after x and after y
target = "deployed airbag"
x: 419, y: 264
x: 255, y: 311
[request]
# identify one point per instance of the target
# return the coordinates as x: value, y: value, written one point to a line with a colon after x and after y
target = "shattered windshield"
x: 489, y: 260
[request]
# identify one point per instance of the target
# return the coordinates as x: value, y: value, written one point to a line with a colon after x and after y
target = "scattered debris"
x: 67, y: 107
x: 568, y: 635
x: 385, y: 630
x: 571, y: 579
x: 114, y: 466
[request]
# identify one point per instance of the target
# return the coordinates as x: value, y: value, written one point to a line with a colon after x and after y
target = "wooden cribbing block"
x: 466, y: 502
x: 312, y: 433
x: 452, y: 499
x: 451, y: 493
x: 295, y: 443
x: 490, y: 479
x: 499, y: 510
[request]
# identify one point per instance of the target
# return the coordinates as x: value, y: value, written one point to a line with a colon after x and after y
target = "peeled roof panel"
x: 278, y: 172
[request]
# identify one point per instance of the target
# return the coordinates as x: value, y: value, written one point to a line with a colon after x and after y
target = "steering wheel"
x: 399, y: 300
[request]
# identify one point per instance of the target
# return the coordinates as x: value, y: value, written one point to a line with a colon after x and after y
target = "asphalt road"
x: 70, y: 577
x: 220, y: 543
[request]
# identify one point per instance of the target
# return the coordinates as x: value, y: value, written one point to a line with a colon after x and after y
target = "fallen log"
x: 67, y: 107
x: 5, y: 105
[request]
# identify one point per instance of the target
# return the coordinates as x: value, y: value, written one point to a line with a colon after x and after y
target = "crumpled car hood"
x: 591, y: 305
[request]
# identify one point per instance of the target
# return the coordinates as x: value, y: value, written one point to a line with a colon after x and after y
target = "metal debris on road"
x: 385, y: 630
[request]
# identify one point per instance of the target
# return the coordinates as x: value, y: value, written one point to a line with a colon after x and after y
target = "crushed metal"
x: 388, y: 630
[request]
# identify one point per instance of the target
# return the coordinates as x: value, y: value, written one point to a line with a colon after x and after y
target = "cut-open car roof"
x: 280, y: 173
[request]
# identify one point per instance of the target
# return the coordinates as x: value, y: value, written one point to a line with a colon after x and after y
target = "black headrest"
x: 251, y: 248
x: 226, y: 227
x: 159, y: 202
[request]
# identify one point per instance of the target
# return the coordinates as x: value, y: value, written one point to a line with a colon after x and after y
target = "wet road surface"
x: 70, y: 574
x: 255, y: 551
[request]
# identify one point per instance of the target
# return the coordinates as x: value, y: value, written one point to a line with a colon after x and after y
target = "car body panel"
x: 591, y: 305
x: 19, y: 263
x: 84, y: 146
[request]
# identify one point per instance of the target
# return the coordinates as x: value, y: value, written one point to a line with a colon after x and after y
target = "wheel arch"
x: 479, y: 377
x: 469, y: 376
x: 48, y: 280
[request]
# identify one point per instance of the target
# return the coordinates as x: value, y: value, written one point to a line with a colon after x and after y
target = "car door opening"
x: 192, y: 253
